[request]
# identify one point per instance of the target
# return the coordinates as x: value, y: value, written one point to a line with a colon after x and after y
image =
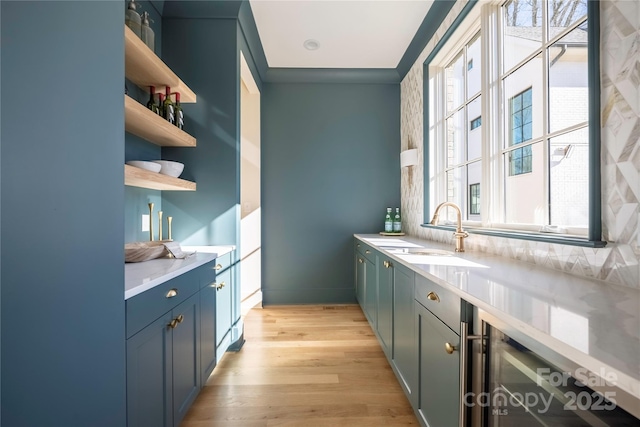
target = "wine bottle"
x: 178, y: 112
x: 168, y: 109
x: 160, y: 104
x: 151, y: 104
x: 388, y: 222
x: 397, y: 222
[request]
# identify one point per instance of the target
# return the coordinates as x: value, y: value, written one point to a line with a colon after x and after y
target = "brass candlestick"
x: 150, y: 222
x: 159, y: 225
x: 169, y: 219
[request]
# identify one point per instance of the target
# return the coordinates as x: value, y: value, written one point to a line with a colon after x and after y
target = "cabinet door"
x: 223, y: 309
x: 385, y: 304
x: 370, y: 293
x: 186, y: 356
x: 405, y: 353
x: 149, y: 378
x: 207, y: 331
x: 360, y: 279
x: 439, y: 372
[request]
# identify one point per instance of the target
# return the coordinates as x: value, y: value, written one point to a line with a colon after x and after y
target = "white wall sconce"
x: 409, y: 157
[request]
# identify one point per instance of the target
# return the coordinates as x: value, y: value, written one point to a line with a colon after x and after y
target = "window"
x: 474, y: 199
x: 534, y: 152
x: 520, y: 116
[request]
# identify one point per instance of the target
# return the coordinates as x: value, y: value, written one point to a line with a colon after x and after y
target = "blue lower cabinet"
x: 405, y: 353
x: 150, y: 376
x: 223, y: 311
x: 208, y: 358
x: 186, y: 356
x: 385, y: 304
x: 360, y: 279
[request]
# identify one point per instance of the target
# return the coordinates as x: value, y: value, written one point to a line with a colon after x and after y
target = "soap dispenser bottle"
x: 147, y: 35
x: 132, y: 18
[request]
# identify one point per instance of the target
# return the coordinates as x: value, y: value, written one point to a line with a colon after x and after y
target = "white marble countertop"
x: 142, y: 276
x: 594, y: 324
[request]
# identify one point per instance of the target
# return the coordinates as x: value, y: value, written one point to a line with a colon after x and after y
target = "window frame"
x: 594, y: 232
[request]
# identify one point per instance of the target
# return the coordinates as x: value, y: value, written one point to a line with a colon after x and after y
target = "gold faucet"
x: 459, y: 234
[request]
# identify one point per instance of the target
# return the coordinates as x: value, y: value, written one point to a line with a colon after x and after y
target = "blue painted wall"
x: 204, y: 53
x: 63, y: 354
x: 330, y: 167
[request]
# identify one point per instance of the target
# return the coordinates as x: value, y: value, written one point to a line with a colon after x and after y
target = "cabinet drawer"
x: 146, y: 307
x: 441, y: 302
x: 211, y: 269
x: 367, y: 251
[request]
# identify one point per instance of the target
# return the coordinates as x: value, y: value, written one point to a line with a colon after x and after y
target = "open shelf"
x: 145, y: 68
x: 141, y: 121
x: 137, y: 177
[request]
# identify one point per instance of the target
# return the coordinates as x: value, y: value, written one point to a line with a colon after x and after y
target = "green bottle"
x: 168, y: 108
x: 151, y: 104
x: 388, y: 222
x: 397, y: 222
x: 178, y: 112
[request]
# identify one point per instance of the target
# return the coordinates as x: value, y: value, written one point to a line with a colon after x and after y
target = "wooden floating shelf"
x: 145, y: 68
x: 137, y: 177
x: 141, y: 121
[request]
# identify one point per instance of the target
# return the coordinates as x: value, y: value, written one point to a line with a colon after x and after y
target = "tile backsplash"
x: 618, y: 262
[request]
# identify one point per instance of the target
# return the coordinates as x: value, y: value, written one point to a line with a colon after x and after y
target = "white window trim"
x: 486, y: 18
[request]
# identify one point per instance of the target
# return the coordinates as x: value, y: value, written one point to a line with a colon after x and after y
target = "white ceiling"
x: 351, y: 34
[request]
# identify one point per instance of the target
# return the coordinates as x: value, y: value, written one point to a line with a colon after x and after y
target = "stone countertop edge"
x: 607, y: 316
x: 142, y: 276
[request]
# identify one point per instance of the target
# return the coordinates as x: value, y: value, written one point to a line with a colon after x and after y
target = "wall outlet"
x: 145, y: 222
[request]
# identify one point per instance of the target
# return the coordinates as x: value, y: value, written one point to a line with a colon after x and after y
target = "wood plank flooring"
x: 310, y: 366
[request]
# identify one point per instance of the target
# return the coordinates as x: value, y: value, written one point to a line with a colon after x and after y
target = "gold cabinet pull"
x: 449, y: 348
x: 387, y: 264
x: 172, y: 293
x: 367, y: 251
x: 173, y: 323
x: 218, y: 267
x: 180, y: 318
x: 219, y: 285
x: 360, y: 261
x: 433, y: 297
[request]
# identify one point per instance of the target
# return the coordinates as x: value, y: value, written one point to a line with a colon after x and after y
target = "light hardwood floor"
x: 304, y: 366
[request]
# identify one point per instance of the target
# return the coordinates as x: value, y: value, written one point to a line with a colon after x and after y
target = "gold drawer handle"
x: 172, y: 293
x: 387, y: 264
x: 180, y: 318
x: 367, y: 251
x: 433, y: 297
x: 173, y: 323
x: 220, y: 286
x: 360, y: 261
x: 449, y: 348
x: 218, y: 267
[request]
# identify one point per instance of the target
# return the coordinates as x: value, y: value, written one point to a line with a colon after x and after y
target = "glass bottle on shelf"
x: 132, y: 18
x: 151, y: 104
x: 160, y: 104
x: 388, y: 222
x: 397, y: 222
x: 146, y: 33
x: 168, y: 108
x: 178, y: 112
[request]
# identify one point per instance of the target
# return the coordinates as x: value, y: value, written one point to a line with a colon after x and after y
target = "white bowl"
x: 150, y: 166
x: 170, y: 168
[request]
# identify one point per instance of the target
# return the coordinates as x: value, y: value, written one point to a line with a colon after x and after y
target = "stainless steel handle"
x: 172, y: 293
x: 464, y: 354
x: 433, y: 297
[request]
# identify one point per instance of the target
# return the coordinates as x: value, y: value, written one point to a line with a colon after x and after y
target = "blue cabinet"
x: 208, y: 358
x: 223, y: 310
x: 439, y: 380
x: 405, y: 353
x: 163, y: 367
x: 384, y: 326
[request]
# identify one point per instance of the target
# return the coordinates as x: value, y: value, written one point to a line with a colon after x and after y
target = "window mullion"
x: 545, y: 115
